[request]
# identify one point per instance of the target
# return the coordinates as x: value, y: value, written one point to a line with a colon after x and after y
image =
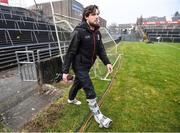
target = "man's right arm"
x: 72, y: 50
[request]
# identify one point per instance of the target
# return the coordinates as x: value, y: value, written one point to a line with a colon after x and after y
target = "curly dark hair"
x: 88, y: 10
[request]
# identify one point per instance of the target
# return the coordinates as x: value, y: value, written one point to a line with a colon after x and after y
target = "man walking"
x: 85, y: 46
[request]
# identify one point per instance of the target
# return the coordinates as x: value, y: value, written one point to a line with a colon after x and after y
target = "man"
x: 85, y: 46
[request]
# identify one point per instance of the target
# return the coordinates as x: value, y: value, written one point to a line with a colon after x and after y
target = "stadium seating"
x: 160, y: 28
x: 166, y: 32
x: 22, y: 29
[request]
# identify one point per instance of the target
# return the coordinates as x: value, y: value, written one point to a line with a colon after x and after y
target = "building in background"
x: 70, y: 8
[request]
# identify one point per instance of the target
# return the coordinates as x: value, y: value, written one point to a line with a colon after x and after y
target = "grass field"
x: 145, y: 95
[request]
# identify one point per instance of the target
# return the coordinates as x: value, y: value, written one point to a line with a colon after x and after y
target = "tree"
x: 176, y: 14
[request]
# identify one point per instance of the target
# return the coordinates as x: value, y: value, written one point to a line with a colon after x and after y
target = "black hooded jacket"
x: 85, y: 46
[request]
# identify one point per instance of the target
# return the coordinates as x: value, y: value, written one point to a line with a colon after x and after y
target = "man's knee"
x: 90, y: 94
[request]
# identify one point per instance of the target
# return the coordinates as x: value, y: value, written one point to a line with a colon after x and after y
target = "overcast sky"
x: 125, y: 11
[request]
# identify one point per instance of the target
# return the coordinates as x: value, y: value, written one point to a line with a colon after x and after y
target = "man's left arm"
x: 103, y: 56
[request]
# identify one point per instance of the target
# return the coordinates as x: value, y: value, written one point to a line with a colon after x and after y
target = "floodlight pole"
x: 36, y: 4
x: 54, y: 20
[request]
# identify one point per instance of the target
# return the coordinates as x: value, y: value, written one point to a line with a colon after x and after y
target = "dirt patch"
x: 45, y: 119
x: 48, y: 117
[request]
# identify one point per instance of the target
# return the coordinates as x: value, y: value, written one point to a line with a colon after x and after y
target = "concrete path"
x: 20, y: 101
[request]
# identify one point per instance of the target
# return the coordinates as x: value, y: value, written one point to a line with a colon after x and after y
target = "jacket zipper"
x: 94, y: 44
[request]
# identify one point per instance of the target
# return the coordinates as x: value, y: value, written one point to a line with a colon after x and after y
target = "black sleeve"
x: 102, y: 53
x: 72, y: 50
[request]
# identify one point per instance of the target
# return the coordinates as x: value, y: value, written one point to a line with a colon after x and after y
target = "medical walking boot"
x: 102, y: 120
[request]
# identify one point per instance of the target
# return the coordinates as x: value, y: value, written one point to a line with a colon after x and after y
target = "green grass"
x: 1, y: 127
x: 145, y: 95
x: 61, y: 116
x: 72, y: 117
x: 101, y: 69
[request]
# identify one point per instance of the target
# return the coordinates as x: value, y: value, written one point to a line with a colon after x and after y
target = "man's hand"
x: 67, y: 77
x: 109, y: 68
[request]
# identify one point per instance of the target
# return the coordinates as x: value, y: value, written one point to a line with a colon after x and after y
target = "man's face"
x: 93, y: 19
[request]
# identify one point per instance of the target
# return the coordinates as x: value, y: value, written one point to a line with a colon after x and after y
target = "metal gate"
x: 26, y: 65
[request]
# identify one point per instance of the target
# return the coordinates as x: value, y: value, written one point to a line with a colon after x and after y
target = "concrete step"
x: 21, y: 101
x: 20, y: 95
x: 13, y: 90
x: 17, y: 116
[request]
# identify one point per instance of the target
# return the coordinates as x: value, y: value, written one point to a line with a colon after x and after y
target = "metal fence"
x: 26, y: 65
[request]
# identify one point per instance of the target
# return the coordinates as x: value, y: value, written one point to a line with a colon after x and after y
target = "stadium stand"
x: 21, y: 30
x: 159, y: 28
x: 166, y: 32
